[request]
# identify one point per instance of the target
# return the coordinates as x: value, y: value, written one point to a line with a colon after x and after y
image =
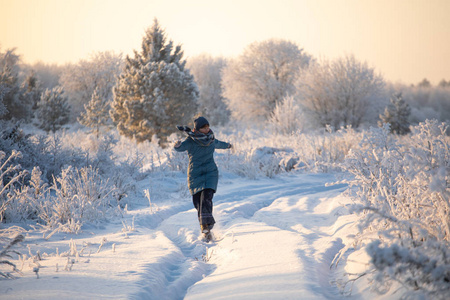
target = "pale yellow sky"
x: 404, y: 40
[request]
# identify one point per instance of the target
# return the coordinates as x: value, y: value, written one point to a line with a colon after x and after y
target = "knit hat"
x: 200, y: 122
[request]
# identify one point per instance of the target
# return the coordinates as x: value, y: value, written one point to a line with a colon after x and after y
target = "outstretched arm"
x: 181, y: 146
x: 222, y: 145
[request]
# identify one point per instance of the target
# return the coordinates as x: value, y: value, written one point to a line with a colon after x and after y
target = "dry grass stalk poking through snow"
x: 6, y: 254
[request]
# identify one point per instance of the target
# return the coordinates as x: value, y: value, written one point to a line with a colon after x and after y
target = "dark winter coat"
x: 202, y: 171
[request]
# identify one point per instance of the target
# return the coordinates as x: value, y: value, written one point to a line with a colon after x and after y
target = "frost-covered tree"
x: 53, y: 110
x: 80, y: 80
x: 96, y: 112
x: 261, y: 77
x: 155, y: 90
x: 32, y: 89
x: 440, y: 102
x: 340, y: 92
x: 425, y: 83
x: 207, y: 72
x: 397, y: 114
x: 444, y: 83
x: 425, y: 102
x: 47, y: 75
x: 16, y: 105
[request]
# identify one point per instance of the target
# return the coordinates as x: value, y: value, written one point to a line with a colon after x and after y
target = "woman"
x: 203, y: 174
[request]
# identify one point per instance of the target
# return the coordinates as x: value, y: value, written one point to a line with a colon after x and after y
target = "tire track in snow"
x: 311, y: 222
x: 178, y: 272
x: 247, y: 203
x: 169, y: 275
x: 261, y: 204
x: 183, y: 267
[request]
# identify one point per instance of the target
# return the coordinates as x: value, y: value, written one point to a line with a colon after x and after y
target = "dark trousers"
x: 204, y: 205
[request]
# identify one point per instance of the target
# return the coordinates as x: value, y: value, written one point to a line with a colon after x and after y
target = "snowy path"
x: 275, y: 238
x: 276, y: 241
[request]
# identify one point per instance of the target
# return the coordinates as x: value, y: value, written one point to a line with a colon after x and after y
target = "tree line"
x: 272, y: 83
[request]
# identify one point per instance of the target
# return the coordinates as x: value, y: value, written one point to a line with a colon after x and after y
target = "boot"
x: 204, y: 228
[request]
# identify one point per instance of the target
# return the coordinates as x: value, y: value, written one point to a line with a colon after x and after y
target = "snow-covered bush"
x: 12, y: 138
x: 122, y: 160
x: 403, y: 190
x: 288, y: 116
x: 78, y: 196
x: 261, y: 161
x: 54, y: 152
x: 52, y: 110
x: 397, y: 114
x: 96, y: 112
x: 10, y: 173
x: 61, y: 156
x: 175, y: 161
x: 260, y: 153
x: 20, y: 208
x: 325, y: 150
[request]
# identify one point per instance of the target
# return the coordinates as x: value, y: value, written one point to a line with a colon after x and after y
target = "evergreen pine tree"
x: 397, y: 114
x: 16, y: 105
x: 53, y: 110
x: 155, y: 91
x: 97, y: 112
x: 32, y: 90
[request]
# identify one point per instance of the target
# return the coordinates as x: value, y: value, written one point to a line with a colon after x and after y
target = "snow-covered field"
x: 275, y: 239
x: 297, y: 222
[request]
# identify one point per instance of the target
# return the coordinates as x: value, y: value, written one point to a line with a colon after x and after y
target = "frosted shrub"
x: 288, y: 116
x: 51, y: 154
x: 33, y: 149
x: 10, y: 174
x: 62, y: 155
x: 103, y: 159
x: 241, y: 164
x: 253, y: 154
x: 26, y: 203
x: 267, y: 159
x: 404, y: 190
x: 80, y: 195
x: 321, y: 151
x: 175, y: 161
x: 261, y: 153
x: 328, y: 149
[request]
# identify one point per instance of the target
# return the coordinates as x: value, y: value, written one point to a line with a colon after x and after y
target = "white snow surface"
x: 274, y: 239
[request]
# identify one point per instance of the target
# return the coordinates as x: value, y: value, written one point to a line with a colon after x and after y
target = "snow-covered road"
x: 275, y: 239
